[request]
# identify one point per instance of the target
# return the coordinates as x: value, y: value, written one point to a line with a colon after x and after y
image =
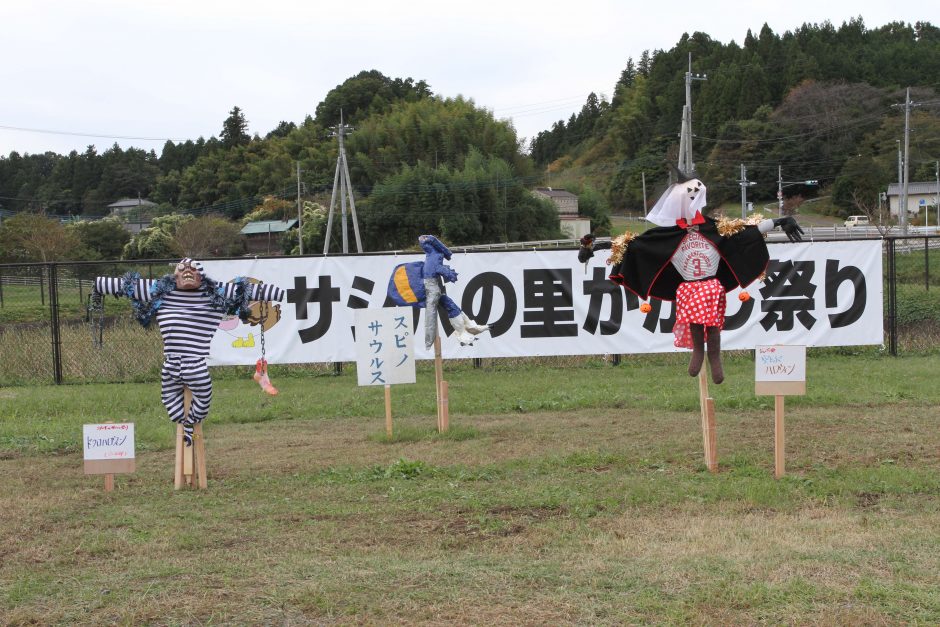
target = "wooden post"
x: 445, y: 407
x: 109, y: 477
x: 178, y: 464
x: 388, y: 411
x: 438, y: 382
x: 709, y: 436
x: 779, y: 445
x: 199, y: 443
x: 187, y: 450
x: 190, y: 464
x: 712, y: 460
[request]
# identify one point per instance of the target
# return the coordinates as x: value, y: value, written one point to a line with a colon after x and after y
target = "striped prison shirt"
x: 187, y: 319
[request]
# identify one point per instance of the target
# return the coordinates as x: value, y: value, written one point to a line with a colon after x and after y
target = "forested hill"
x: 418, y: 163
x: 818, y: 102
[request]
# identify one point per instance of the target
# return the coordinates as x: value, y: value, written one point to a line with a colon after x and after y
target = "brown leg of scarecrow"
x: 697, y: 331
x: 714, y: 354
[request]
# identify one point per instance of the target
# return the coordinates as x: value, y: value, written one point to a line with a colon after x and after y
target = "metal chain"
x: 264, y: 316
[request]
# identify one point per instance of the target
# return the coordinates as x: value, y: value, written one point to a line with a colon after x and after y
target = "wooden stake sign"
x: 385, y: 351
x: 109, y: 450
x: 781, y: 371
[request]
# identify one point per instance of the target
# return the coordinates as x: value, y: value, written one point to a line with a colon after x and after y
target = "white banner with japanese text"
x: 546, y: 303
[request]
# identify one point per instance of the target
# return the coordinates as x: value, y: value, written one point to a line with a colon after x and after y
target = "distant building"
x: 264, y: 237
x: 919, y: 196
x: 572, y: 224
x: 134, y: 213
x: 127, y: 205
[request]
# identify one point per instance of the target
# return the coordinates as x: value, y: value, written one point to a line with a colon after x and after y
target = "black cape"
x: 646, y: 267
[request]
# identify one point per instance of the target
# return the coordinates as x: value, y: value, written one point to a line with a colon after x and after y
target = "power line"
x: 95, y: 135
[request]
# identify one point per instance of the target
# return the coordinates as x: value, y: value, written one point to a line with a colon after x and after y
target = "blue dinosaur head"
x: 431, y: 244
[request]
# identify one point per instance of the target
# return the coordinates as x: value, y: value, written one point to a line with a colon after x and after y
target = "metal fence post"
x: 892, y: 301
x: 54, y: 321
x: 926, y: 264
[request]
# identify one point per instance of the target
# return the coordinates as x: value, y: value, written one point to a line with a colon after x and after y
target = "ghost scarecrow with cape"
x: 693, y: 261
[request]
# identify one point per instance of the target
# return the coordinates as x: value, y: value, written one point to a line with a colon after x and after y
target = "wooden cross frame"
x: 190, y: 465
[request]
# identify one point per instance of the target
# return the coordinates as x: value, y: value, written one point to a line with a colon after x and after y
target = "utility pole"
x: 686, y: 165
x: 341, y: 180
x: 645, y: 207
x: 300, y: 222
x: 907, y: 158
x: 744, y: 183
x: 904, y: 172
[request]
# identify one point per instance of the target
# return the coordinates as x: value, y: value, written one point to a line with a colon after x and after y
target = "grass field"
x: 567, y: 492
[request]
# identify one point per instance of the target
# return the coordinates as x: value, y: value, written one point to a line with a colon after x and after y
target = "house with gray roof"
x: 572, y: 224
x: 919, y: 196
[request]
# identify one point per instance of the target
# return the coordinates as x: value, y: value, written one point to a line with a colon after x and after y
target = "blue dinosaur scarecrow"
x: 419, y: 284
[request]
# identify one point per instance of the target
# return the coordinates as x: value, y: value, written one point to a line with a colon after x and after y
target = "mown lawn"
x: 565, y: 493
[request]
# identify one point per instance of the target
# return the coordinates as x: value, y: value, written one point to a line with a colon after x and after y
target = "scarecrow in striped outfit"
x: 188, y: 307
x: 692, y: 260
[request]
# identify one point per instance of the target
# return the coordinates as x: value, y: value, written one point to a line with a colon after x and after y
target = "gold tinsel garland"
x: 732, y: 226
x: 618, y: 247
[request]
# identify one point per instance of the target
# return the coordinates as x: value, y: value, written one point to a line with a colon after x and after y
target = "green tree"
x: 593, y: 204
x: 313, y: 227
x: 481, y: 202
x: 367, y: 93
x: 102, y: 239
x: 860, y: 178
x: 34, y: 237
x: 235, y: 129
x: 208, y: 236
x: 283, y: 129
x: 271, y: 208
x: 437, y: 132
x: 158, y: 240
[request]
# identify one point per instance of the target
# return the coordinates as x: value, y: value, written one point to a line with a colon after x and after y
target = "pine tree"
x: 235, y: 129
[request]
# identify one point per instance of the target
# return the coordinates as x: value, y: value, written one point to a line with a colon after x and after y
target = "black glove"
x: 790, y: 227
x: 587, y: 248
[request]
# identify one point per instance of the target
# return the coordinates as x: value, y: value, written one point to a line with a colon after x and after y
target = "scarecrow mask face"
x: 188, y: 275
x: 680, y: 201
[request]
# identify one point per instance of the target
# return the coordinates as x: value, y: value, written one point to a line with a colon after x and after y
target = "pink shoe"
x: 261, y: 376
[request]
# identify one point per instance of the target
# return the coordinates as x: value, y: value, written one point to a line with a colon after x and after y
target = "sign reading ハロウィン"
x: 780, y: 370
x: 545, y: 303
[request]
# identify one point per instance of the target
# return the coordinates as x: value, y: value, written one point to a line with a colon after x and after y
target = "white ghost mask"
x: 680, y: 201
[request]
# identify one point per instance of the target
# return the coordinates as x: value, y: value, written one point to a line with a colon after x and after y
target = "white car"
x: 857, y: 221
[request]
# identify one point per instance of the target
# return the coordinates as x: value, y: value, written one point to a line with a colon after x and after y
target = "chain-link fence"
x: 48, y: 335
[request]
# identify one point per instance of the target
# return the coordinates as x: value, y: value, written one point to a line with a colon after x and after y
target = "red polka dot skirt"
x: 698, y: 302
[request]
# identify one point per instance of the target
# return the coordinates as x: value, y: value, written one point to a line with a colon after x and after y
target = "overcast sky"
x: 143, y: 71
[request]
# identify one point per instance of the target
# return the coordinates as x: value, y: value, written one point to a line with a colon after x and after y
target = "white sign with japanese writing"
x: 108, y: 441
x: 384, y: 346
x: 546, y: 303
x: 780, y: 369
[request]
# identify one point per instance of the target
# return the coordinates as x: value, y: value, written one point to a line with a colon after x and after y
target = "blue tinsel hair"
x: 238, y: 305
